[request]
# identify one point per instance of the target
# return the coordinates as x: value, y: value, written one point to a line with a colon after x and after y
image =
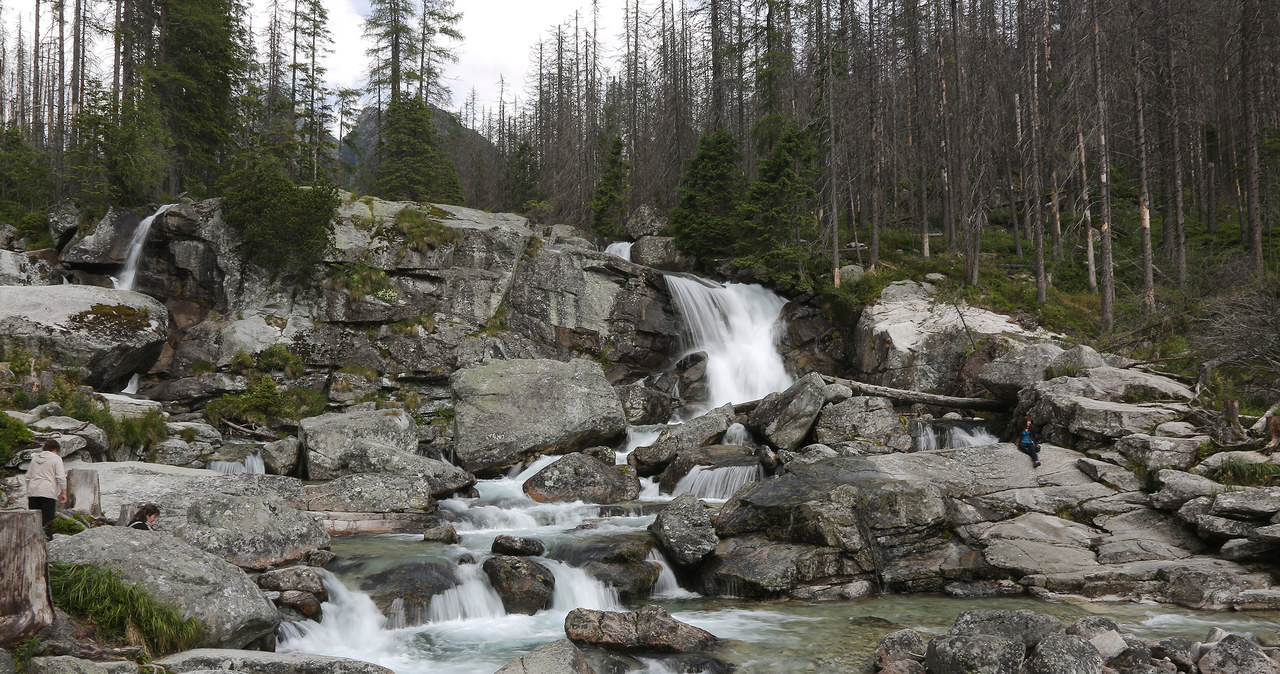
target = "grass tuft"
x: 120, y: 609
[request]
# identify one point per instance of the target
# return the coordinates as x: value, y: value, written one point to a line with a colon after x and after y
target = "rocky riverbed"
x: 507, y: 349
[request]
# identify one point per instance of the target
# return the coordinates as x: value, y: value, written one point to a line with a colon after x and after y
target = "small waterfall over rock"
x: 253, y: 465
x: 128, y: 274
x: 948, y: 434
x: 737, y: 434
x: 736, y: 326
x: 132, y: 387
x: 719, y: 482
x: 620, y: 249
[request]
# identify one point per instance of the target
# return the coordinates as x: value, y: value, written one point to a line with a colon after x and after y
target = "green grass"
x: 361, y: 281
x: 119, y: 609
x: 260, y: 403
x: 13, y: 435
x: 1237, y: 473
x: 421, y: 232
x: 278, y: 358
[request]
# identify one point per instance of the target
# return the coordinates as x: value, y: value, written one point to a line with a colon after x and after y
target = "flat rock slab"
x: 649, y: 629
x: 557, y: 657
x: 1036, y: 543
x: 261, y: 662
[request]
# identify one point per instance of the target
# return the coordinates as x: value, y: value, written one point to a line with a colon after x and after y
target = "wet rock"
x: 414, y: 583
x: 649, y: 629
x: 557, y: 657
x: 904, y: 667
x: 303, y: 578
x: 524, y: 585
x: 251, y: 532
x: 1025, y: 627
x: 102, y: 336
x: 660, y: 252
x: 697, y: 432
x: 199, y: 584
x: 899, y: 646
x: 261, y: 662
x: 1063, y: 654
x: 513, y: 545
x: 562, y: 407
x: 643, y: 405
x: 1235, y: 654
x: 755, y: 566
x: 577, y: 477
x: 953, y: 654
x: 280, y: 457
x: 711, y: 455
x: 305, y: 603
x: 683, y: 529
x: 444, y: 533
x: 784, y: 419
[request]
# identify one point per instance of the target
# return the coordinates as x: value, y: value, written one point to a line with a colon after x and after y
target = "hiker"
x: 1027, y: 441
x: 47, y: 484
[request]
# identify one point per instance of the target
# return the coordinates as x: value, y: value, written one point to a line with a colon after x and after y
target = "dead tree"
x: 25, y: 606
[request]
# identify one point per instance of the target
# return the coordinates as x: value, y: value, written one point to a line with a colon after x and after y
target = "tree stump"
x: 25, y: 607
x: 83, y: 494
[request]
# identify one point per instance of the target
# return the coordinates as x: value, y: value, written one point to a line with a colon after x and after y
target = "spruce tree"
x: 710, y: 198
x: 523, y: 179
x: 778, y: 215
x: 608, y: 205
x: 412, y: 167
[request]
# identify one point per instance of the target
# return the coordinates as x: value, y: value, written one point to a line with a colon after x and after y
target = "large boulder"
x: 755, y: 566
x: 578, y: 477
x: 1017, y: 369
x: 250, y: 531
x: 368, y: 441
x: 19, y: 269
x: 524, y: 585
x: 1102, y: 404
x: 1063, y: 654
x: 683, y: 529
x: 1178, y: 487
x: 784, y: 418
x: 104, y: 244
x: 697, y: 432
x: 1157, y: 451
x: 984, y: 653
x: 104, y: 336
x: 1024, y: 626
x: 557, y: 657
x: 509, y: 410
x: 908, y: 341
x: 201, y: 585
x: 866, y: 421
x: 260, y: 662
x: 716, y: 457
x: 649, y: 629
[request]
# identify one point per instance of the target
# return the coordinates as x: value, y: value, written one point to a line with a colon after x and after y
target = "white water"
x: 128, y: 274
x: 736, y: 326
x: 717, y: 484
x: 253, y: 465
x: 620, y: 249
x: 132, y: 387
x: 737, y: 434
x: 954, y: 437
x: 667, y: 586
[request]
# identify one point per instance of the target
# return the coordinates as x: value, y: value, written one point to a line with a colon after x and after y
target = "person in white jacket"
x: 47, y: 484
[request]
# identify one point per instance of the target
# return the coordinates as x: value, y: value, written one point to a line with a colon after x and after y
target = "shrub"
x: 13, y: 434
x: 285, y: 226
x: 300, y: 403
x: 118, y: 608
x: 278, y: 358
x: 421, y: 232
x: 360, y: 281
x: 143, y: 432
x: 258, y: 404
x: 68, y: 526
x: 1236, y: 473
x: 242, y: 363
x: 201, y: 367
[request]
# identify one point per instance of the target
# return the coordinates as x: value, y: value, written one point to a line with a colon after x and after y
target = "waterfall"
x: 667, y: 586
x: 128, y: 274
x: 473, y: 597
x: 737, y: 434
x: 735, y: 325
x: 132, y: 387
x: 930, y: 436
x: 620, y: 249
x: 717, y: 483
x: 253, y: 465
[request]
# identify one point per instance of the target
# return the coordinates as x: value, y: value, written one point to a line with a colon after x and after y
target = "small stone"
x: 445, y: 533
x: 512, y: 545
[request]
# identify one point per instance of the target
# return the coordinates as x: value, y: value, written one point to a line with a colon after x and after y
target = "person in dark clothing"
x: 145, y: 518
x: 1027, y: 441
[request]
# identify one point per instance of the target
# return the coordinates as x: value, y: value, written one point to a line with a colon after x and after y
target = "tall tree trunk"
x: 1248, y: 87
x: 1179, y: 212
x: 1107, y: 280
x: 1037, y: 172
x: 1088, y: 215
x: 1144, y: 187
x: 24, y: 581
x: 37, y: 111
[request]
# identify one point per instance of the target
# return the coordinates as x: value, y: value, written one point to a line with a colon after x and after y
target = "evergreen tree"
x: 285, y: 227
x: 778, y: 215
x: 705, y: 217
x: 118, y: 162
x: 523, y: 178
x: 608, y: 205
x: 413, y: 168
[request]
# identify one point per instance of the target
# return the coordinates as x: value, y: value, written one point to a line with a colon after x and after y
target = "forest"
x: 1111, y: 168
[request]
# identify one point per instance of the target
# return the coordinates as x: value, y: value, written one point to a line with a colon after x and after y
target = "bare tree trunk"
x: 1248, y: 44
x: 1088, y: 215
x: 25, y: 607
x: 1144, y: 189
x: 1179, y: 212
x: 1055, y: 210
x: 1107, y: 281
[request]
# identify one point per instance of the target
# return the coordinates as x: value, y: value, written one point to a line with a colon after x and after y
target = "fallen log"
x: 251, y: 432
x: 919, y: 397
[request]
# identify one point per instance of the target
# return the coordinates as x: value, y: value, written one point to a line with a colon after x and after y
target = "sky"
x: 498, y: 39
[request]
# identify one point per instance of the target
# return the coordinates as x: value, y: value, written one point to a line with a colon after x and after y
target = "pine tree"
x: 705, y: 217
x: 523, y: 178
x: 778, y: 214
x: 608, y: 205
x: 413, y: 168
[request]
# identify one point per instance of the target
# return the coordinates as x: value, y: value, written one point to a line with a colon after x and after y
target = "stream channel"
x: 463, y: 628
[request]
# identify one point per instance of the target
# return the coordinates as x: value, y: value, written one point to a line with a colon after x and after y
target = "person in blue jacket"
x: 1027, y: 441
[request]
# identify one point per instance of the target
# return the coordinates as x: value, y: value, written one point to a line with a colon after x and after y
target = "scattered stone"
x: 974, y: 653
x: 649, y: 629
x: 1063, y: 654
x: 522, y: 547
x: 898, y: 646
x: 683, y: 529
x: 524, y: 585
x: 557, y: 657
x: 577, y: 477
x: 444, y: 533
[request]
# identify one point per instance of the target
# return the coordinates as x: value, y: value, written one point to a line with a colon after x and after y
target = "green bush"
x: 300, y: 403
x: 13, y: 434
x: 68, y: 526
x: 278, y: 358
x: 100, y: 596
x: 286, y: 227
x: 260, y: 403
x: 143, y: 432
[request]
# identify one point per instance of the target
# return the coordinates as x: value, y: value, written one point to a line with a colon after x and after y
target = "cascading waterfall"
x: 667, y: 587
x: 718, y: 483
x: 737, y: 434
x: 132, y: 387
x: 735, y: 325
x: 252, y: 464
x: 927, y: 437
x: 128, y: 274
x: 620, y: 249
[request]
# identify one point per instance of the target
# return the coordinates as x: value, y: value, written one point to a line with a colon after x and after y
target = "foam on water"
x: 716, y: 483
x: 620, y: 249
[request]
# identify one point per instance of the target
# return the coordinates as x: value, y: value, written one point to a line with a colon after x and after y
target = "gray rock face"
x: 1063, y: 654
x: 659, y: 252
x: 300, y: 578
x: 643, y: 405
x: 644, y: 221
x: 281, y: 456
x: 784, y: 418
x: 199, y: 584
x: 951, y: 654
x: 1102, y: 404
x: 374, y: 441
x: 260, y: 662
x: 1249, y: 504
x: 756, y: 566
x: 102, y: 335
x: 903, y: 645
x: 1017, y: 369
x: 108, y: 241
x: 577, y: 477
x: 1036, y: 543
x: 18, y: 269
x: 524, y: 585
x: 1235, y: 654
x: 711, y: 455
x: 372, y: 493
x: 683, y: 529
x: 1155, y: 450
x: 557, y: 657
x: 1077, y: 358
x: 864, y: 420
x: 649, y: 629
x: 1177, y: 487
x: 907, y: 341
x: 560, y: 407
x: 66, y: 664
x: 251, y: 532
